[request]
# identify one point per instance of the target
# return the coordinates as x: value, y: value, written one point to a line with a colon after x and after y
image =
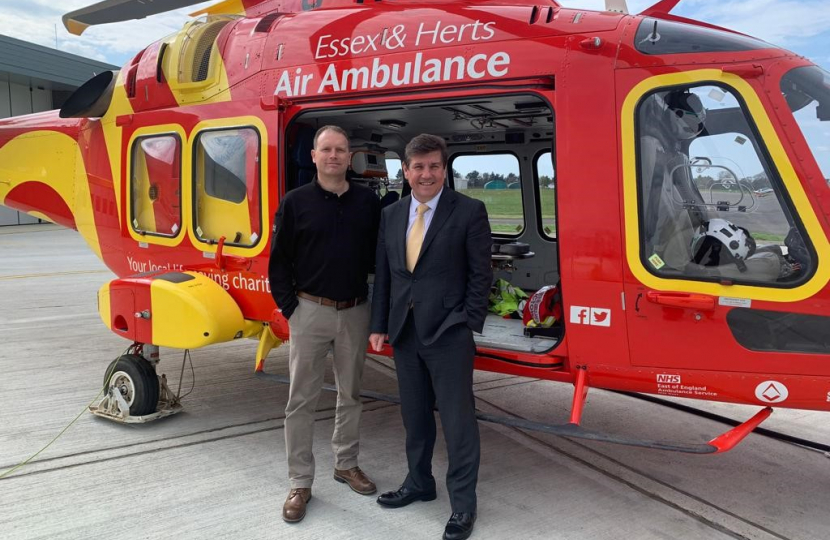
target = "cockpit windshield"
x: 807, y: 91
x: 713, y: 206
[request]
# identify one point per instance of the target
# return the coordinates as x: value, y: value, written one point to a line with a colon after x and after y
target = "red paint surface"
x: 42, y: 198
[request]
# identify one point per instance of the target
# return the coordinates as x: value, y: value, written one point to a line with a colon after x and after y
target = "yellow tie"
x: 416, y: 238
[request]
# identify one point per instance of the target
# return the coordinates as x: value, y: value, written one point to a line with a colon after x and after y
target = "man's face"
x: 331, y: 155
x: 425, y: 174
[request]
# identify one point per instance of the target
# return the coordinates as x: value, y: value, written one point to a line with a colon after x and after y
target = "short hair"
x: 425, y: 144
x: 336, y: 129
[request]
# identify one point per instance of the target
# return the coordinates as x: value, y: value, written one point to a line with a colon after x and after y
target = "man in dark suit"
x: 431, y: 289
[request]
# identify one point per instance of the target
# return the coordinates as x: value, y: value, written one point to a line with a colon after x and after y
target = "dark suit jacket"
x: 451, y: 282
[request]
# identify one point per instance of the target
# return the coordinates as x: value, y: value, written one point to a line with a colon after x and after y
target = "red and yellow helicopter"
x: 622, y: 158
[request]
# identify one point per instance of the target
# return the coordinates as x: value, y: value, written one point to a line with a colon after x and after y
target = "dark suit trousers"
x: 441, y: 372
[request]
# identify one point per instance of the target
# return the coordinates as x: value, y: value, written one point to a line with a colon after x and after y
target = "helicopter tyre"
x: 137, y: 382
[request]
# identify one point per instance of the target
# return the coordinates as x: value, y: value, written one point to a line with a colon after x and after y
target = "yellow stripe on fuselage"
x: 113, y: 134
x: 54, y: 159
x: 104, y: 305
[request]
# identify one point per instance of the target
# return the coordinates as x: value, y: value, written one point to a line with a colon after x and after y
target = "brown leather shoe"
x: 294, y: 508
x: 356, y: 479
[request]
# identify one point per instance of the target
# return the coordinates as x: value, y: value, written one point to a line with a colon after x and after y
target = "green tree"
x: 704, y: 182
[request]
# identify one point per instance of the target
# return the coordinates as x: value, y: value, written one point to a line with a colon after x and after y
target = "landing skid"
x: 722, y: 443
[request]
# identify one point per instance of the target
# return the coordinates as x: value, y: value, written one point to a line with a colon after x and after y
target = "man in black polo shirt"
x: 322, y: 251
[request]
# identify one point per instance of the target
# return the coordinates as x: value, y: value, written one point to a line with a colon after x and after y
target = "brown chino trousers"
x: 316, y: 330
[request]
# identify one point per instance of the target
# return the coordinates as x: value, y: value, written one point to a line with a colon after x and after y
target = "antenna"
x: 653, y: 37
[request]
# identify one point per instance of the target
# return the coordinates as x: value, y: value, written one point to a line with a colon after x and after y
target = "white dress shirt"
x: 413, y: 212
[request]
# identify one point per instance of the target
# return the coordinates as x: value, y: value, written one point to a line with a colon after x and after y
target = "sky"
x: 802, y: 26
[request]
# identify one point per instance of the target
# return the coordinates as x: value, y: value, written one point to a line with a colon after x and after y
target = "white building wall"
x: 41, y: 99
x: 7, y: 215
x: 21, y: 99
x: 5, y: 97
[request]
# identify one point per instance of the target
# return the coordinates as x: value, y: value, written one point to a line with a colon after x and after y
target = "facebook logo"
x: 580, y: 314
x: 590, y: 316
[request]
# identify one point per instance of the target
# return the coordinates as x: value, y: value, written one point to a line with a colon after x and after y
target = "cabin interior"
x: 500, y: 152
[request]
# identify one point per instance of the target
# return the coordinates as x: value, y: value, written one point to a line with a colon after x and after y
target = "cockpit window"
x: 712, y: 207
x: 807, y: 91
x: 665, y: 37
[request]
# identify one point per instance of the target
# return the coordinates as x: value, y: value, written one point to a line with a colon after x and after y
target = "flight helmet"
x: 718, y: 242
x: 686, y: 114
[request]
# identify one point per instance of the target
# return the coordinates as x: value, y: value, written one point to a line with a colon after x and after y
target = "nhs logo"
x: 591, y: 316
x: 668, y: 379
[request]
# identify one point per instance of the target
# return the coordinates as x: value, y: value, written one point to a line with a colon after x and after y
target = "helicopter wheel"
x: 136, y: 379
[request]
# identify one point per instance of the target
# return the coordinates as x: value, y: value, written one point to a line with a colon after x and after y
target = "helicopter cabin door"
x: 720, y: 237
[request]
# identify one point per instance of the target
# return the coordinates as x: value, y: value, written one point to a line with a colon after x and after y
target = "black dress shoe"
x: 404, y: 496
x: 460, y: 526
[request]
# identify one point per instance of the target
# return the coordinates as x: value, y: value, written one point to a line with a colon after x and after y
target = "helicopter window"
x: 807, y: 91
x: 712, y: 206
x: 546, y: 182
x: 780, y: 331
x: 155, y: 185
x: 493, y: 179
x: 226, y: 186
x: 667, y: 37
x: 395, y: 171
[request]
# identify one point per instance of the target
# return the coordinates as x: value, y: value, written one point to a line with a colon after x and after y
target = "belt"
x: 343, y: 304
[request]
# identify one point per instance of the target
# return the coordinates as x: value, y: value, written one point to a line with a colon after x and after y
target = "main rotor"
x: 110, y: 11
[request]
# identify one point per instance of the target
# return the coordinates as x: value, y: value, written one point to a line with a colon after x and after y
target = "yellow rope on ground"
x: 85, y: 409
x: 51, y: 274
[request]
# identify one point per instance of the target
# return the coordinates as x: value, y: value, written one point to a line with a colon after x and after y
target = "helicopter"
x: 656, y: 185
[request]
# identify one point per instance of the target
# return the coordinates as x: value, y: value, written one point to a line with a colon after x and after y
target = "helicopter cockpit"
x: 712, y: 205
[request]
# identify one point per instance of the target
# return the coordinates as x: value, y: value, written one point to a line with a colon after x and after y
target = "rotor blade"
x: 109, y: 11
x: 618, y: 6
x: 663, y: 6
x: 225, y: 7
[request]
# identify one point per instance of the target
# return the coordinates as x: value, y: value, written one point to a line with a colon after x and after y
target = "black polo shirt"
x: 323, y: 244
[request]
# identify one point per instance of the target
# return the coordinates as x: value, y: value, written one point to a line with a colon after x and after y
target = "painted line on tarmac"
x: 53, y: 274
x: 33, y: 228
x: 103, y: 455
x: 50, y: 318
x: 701, y: 510
x: 127, y: 447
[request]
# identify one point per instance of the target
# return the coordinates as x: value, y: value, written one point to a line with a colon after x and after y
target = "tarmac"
x: 217, y: 470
